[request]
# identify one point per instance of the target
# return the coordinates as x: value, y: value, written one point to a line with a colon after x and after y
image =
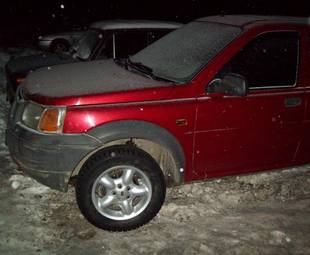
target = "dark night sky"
x: 25, y: 19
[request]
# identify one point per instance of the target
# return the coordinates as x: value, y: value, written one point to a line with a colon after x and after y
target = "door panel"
x: 247, y: 133
x: 219, y: 143
x: 278, y: 127
x: 263, y: 129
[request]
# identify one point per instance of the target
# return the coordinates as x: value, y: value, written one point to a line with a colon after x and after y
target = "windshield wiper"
x: 134, y: 66
x: 139, y: 67
x: 121, y: 62
x: 143, y: 69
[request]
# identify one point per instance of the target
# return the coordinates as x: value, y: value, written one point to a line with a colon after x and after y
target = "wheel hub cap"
x: 121, y: 192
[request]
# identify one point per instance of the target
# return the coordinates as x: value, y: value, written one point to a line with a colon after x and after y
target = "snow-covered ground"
x: 264, y: 213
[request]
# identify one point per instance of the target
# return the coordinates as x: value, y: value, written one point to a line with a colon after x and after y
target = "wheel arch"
x: 155, y: 140
x: 59, y: 40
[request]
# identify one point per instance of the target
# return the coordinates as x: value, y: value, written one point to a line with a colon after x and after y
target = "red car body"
x: 220, y: 134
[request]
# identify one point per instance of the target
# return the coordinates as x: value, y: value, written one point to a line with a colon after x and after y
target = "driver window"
x: 270, y: 60
x: 124, y: 43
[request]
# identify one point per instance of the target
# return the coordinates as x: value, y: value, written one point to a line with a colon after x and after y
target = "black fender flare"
x: 142, y: 130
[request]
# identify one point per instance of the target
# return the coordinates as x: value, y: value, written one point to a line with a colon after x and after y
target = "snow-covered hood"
x: 86, y: 78
x: 23, y: 65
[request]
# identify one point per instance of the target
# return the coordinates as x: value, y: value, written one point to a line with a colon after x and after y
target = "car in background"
x: 104, y: 39
x: 59, y: 42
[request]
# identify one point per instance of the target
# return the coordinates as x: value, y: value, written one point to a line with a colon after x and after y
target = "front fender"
x: 142, y: 130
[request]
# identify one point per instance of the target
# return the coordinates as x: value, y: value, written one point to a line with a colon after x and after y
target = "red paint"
x: 224, y: 134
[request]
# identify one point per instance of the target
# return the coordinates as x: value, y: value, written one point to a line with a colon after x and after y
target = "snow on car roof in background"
x: 243, y: 20
x: 131, y: 24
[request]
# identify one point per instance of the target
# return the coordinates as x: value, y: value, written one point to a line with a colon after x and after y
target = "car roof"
x: 135, y: 24
x: 244, y: 20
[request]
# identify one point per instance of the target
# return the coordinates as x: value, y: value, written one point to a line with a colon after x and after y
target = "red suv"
x: 219, y: 96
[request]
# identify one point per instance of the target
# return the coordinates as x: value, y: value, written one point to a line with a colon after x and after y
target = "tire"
x: 120, y: 188
x: 59, y: 46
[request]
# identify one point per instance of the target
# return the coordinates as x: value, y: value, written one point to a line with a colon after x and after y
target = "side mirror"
x: 231, y: 84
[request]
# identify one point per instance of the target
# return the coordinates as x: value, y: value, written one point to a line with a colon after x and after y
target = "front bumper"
x: 48, y: 158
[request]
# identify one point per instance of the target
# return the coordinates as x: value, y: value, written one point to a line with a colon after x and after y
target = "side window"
x: 270, y: 60
x: 156, y: 34
x: 106, y: 50
x: 129, y: 43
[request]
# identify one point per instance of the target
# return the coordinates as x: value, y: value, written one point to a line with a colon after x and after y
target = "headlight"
x: 31, y: 115
x: 44, y: 119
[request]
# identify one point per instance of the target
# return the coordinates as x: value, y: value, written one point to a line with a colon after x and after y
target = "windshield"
x: 182, y: 53
x: 85, y: 46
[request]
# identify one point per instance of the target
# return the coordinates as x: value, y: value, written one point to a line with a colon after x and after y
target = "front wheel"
x: 120, y: 188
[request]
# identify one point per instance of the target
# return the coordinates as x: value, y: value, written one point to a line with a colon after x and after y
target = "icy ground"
x: 264, y: 213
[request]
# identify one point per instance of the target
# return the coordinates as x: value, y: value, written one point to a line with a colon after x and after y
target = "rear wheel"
x: 121, y: 188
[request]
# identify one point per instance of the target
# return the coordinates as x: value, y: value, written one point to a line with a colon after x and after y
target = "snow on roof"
x: 243, y: 20
x: 135, y: 24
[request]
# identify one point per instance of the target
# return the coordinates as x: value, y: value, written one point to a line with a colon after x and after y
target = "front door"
x: 263, y: 129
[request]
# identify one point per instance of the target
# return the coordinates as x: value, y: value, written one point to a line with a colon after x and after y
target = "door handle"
x: 292, y: 102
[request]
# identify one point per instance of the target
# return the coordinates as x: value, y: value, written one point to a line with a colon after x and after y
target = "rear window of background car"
x: 126, y: 43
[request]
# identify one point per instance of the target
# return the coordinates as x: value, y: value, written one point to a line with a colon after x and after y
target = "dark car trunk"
x: 20, y: 67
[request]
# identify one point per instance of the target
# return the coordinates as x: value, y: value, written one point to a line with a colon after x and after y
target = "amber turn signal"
x: 19, y: 80
x: 50, y: 121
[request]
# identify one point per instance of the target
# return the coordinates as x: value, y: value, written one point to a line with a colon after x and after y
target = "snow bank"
x: 3, y: 103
